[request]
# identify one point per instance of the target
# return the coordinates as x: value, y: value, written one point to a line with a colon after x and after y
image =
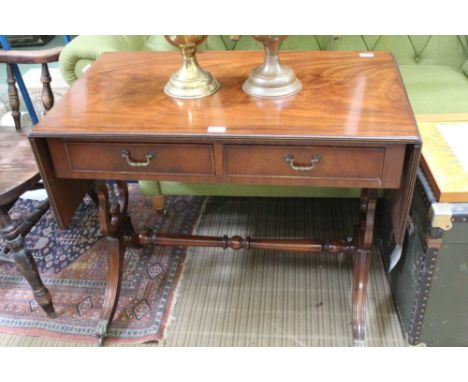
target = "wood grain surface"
x: 18, y: 167
x: 344, y: 96
x: 349, y: 103
x: 41, y: 56
x: 447, y: 176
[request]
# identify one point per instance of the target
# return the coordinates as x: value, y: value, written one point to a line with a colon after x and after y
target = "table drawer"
x: 309, y: 162
x: 74, y: 158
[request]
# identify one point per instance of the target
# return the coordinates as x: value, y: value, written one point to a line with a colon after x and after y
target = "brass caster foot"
x: 359, y: 343
x: 44, y: 299
x: 51, y: 314
x: 163, y: 212
x: 101, y: 332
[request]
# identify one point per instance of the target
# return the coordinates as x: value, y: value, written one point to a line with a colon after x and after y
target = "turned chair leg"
x: 13, y: 97
x: 159, y: 204
x: 25, y: 263
x: 47, y: 94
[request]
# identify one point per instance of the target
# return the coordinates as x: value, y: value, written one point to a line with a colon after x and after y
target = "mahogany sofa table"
x: 350, y: 126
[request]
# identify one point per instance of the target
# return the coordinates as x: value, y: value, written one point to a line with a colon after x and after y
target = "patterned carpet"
x: 265, y: 298
x: 75, y: 275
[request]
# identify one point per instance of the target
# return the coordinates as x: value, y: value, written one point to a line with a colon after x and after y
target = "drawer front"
x: 304, y: 162
x: 75, y: 158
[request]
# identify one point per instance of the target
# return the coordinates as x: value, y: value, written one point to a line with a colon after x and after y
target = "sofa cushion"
x: 424, y: 50
x: 435, y: 88
x: 427, y: 50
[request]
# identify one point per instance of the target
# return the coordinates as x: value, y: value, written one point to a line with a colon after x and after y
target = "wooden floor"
x: 263, y: 298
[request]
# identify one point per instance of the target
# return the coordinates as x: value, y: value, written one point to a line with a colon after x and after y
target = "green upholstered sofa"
x: 434, y: 70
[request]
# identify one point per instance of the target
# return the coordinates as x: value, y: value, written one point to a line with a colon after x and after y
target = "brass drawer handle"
x: 290, y: 160
x: 126, y: 155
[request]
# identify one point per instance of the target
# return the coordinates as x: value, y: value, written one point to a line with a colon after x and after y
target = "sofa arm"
x: 84, y: 50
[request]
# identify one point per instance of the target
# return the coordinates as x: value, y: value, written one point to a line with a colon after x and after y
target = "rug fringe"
x: 180, y: 282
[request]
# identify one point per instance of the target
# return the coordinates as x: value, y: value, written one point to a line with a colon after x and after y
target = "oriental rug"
x: 75, y: 275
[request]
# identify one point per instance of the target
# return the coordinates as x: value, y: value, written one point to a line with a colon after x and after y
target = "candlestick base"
x: 190, y: 81
x: 271, y: 79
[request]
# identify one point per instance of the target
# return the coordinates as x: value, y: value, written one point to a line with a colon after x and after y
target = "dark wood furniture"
x: 350, y: 126
x: 19, y: 173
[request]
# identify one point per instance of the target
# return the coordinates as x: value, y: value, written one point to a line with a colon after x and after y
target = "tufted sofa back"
x: 451, y: 51
x: 426, y: 50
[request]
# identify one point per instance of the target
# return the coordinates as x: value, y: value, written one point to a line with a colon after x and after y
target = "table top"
x: 345, y: 96
x: 446, y: 174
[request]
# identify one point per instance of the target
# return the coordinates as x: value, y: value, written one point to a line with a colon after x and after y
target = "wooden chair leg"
x: 14, y: 241
x: 47, y: 94
x: 159, y: 203
x: 13, y: 97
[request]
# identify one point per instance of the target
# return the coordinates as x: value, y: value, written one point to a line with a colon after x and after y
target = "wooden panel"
x: 344, y: 97
x: 394, y: 166
x: 443, y: 117
x: 65, y: 195
x: 347, y: 100
x: 400, y: 199
x: 334, y: 162
x: 445, y: 173
x: 85, y: 157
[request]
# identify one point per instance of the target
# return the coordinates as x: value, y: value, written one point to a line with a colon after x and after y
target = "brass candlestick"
x: 190, y: 81
x: 271, y: 79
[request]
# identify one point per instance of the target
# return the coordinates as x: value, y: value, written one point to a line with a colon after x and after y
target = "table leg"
x: 113, y: 221
x: 118, y: 232
x: 115, y: 250
x: 25, y: 263
x: 361, y: 264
